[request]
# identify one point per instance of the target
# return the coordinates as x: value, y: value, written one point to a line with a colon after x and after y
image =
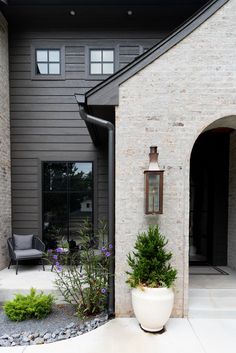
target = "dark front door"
x: 209, y: 171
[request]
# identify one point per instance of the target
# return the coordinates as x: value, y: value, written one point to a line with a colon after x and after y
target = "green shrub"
x: 150, y: 261
x: 33, y: 305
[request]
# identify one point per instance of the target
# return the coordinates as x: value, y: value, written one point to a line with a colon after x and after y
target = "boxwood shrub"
x: 33, y: 305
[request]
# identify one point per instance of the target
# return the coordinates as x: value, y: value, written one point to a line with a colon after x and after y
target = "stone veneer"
x: 168, y: 104
x: 5, y: 167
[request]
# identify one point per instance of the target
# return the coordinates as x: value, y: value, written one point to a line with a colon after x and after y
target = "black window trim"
x: 102, y: 61
x: 48, y: 62
x: 47, y: 46
x: 94, y: 191
x: 107, y: 46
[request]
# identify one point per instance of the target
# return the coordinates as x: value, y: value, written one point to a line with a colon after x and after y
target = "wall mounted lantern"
x: 153, y: 184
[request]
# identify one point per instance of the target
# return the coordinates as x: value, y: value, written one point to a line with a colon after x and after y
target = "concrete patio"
x: 125, y: 336
x: 210, y: 328
x: 28, y: 276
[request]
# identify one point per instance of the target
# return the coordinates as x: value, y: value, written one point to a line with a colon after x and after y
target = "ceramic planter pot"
x: 152, y: 307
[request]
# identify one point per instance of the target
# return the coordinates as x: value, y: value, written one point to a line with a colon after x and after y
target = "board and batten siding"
x: 45, y: 123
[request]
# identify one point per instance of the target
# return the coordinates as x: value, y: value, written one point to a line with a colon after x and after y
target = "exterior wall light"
x: 153, y: 184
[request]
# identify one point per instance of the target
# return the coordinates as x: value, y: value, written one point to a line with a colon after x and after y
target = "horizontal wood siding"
x: 45, y: 123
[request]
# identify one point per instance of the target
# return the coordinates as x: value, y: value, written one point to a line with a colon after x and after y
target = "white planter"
x: 152, y: 307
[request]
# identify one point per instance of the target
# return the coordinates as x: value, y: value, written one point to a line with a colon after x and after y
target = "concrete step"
x: 211, y: 314
x: 212, y: 303
x: 212, y: 292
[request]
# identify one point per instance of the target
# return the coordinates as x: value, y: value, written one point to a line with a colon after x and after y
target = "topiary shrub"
x: 33, y: 305
x: 150, y: 261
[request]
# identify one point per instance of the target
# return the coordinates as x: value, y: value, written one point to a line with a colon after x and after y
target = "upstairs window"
x: 102, y: 62
x: 48, y: 61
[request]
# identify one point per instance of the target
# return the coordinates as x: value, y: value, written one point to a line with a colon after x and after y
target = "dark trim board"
x: 107, y: 92
x: 93, y: 2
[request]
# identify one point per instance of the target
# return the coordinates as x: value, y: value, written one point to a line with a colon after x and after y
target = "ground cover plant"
x: 33, y: 305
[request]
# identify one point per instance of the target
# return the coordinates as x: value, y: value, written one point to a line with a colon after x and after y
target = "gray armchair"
x: 25, y: 247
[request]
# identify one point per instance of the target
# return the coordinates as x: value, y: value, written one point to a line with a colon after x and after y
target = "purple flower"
x: 49, y: 251
x: 55, y: 257
x: 108, y: 254
x: 103, y: 290
x: 59, y: 268
x: 59, y: 250
x: 57, y: 263
x: 104, y: 249
x: 110, y: 246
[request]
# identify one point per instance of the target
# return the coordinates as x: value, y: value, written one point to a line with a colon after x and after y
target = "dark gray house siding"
x: 45, y: 123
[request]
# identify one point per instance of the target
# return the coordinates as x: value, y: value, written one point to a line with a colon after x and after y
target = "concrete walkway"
x: 125, y: 336
x: 28, y: 276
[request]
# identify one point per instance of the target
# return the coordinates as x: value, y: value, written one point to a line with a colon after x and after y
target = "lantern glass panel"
x: 153, y: 193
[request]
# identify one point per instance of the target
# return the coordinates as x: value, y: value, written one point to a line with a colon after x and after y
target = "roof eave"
x: 107, y: 92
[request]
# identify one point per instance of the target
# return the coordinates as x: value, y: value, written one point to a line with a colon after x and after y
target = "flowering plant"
x: 83, y: 277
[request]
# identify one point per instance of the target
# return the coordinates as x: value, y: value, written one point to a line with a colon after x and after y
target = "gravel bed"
x: 59, y: 325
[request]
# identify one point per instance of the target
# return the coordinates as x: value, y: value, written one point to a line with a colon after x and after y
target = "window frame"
x: 101, y: 62
x: 88, y: 49
x: 47, y: 77
x: 94, y: 191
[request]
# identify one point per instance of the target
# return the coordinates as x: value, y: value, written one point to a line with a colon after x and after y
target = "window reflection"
x: 68, y: 200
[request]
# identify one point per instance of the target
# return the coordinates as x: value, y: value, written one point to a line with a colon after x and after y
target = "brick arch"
x: 228, y: 121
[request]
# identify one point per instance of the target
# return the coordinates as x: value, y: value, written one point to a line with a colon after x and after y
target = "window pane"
x: 54, y: 55
x: 95, y: 69
x: 80, y: 177
x: 81, y: 208
x: 153, y: 197
x: 108, y: 69
x: 55, y: 177
x: 54, y: 69
x: 68, y: 200
x: 96, y: 55
x: 42, y: 69
x: 55, y: 224
x: 108, y: 55
x: 41, y: 55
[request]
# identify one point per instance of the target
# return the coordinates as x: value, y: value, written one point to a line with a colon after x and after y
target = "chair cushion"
x: 28, y: 254
x: 23, y: 242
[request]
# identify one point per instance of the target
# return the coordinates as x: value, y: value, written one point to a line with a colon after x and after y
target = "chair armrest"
x: 11, y: 248
x: 38, y: 244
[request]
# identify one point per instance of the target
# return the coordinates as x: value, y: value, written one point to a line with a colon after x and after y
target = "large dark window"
x: 67, y: 200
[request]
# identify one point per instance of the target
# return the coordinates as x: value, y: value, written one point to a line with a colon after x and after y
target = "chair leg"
x: 42, y: 264
x: 17, y: 267
x: 9, y: 264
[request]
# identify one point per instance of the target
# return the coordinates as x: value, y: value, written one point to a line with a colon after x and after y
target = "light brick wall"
x: 168, y: 104
x: 232, y: 204
x: 5, y: 169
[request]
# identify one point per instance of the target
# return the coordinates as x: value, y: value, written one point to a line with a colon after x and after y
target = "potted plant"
x: 151, y: 278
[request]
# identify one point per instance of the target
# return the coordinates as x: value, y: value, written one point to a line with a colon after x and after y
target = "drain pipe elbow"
x: 93, y: 119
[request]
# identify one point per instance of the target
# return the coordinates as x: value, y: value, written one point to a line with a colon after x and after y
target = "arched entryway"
x: 212, y: 214
x: 209, y: 185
